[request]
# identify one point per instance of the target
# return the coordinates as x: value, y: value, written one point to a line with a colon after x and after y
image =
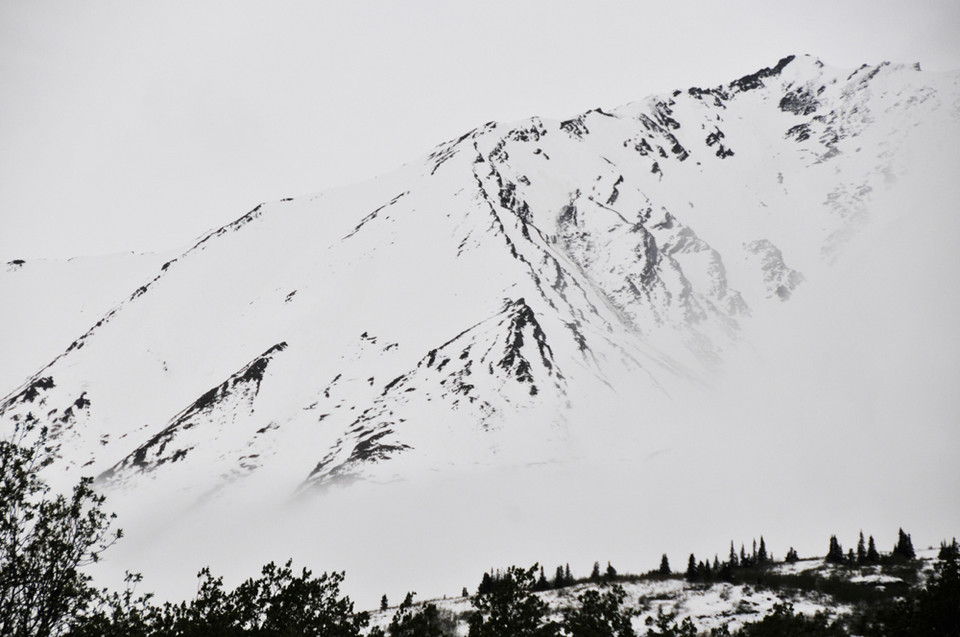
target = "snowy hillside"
x: 809, y: 586
x: 601, y: 290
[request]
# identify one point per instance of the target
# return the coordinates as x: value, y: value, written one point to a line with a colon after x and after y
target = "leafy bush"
x: 599, y: 615
x: 429, y: 621
x: 511, y: 608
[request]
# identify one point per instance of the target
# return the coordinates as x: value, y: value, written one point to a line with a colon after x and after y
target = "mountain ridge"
x: 524, y: 295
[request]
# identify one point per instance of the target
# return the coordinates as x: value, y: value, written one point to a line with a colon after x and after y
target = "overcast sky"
x: 136, y: 126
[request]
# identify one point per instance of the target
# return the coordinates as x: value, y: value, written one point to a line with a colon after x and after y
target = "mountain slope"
x: 530, y: 294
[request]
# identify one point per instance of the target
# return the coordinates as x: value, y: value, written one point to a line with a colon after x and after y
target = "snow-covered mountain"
x: 531, y: 294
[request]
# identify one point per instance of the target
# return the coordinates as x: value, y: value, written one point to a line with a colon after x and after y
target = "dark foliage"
x: 429, y: 621
x: 762, y: 557
x: 595, y: 573
x: 664, y: 565
x: 280, y: 603
x: 665, y: 625
x: 45, y: 540
x: 511, y: 608
x: 611, y: 573
x: 599, y: 615
x: 835, y: 552
x: 904, y: 547
x: 784, y: 622
x: 931, y: 611
x: 542, y: 583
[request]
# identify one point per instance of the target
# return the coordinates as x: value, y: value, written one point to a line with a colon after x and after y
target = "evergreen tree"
x: 716, y: 564
x: 465, y: 592
x: 904, y: 547
x: 567, y: 577
x: 559, y: 581
x: 734, y: 562
x: 486, y: 584
x: 949, y: 552
x: 861, y: 550
x: 872, y: 555
x: 835, y: 553
x: 595, y: 573
x: 611, y: 572
x: 762, y: 553
x: 408, y: 600
x: 542, y: 583
x: 691, y: 573
x: 744, y: 560
x: 664, y: 565
x: 792, y: 556
x: 384, y: 605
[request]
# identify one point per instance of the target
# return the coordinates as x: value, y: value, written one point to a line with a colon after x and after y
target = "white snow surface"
x: 716, y: 311
x: 48, y: 302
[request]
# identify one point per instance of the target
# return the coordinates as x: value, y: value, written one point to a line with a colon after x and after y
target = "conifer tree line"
x: 868, y: 554
x: 562, y: 578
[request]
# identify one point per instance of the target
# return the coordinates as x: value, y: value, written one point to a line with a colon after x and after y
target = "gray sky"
x: 129, y: 125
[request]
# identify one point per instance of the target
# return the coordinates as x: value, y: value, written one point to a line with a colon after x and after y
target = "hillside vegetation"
x: 46, y: 539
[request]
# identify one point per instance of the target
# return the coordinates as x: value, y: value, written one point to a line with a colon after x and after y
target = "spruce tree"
x: 595, y: 573
x: 792, y: 556
x: 691, y: 573
x: 835, y: 553
x: 611, y: 572
x: 567, y: 577
x: 872, y: 555
x: 542, y: 583
x: 384, y: 605
x: 949, y: 552
x: 762, y: 552
x: 486, y: 584
x: 861, y: 550
x: 664, y: 565
x: 559, y: 581
x: 734, y: 562
x: 904, y: 547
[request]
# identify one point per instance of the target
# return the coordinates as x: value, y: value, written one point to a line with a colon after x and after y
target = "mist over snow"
x: 707, y: 315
